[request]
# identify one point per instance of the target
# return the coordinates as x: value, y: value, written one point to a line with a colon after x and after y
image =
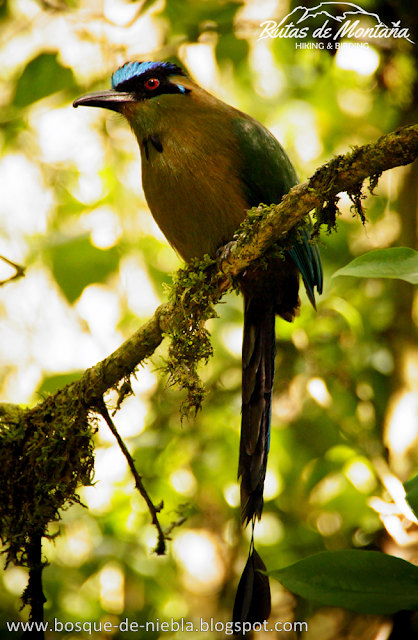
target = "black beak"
x: 112, y: 100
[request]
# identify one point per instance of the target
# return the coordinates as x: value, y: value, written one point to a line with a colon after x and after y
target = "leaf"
x: 411, y: 488
x: 396, y: 262
x: 76, y: 263
x: 364, y: 581
x: 42, y: 77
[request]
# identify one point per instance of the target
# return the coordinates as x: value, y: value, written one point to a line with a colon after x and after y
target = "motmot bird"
x: 204, y: 164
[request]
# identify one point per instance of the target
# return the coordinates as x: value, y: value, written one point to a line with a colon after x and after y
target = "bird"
x: 204, y: 164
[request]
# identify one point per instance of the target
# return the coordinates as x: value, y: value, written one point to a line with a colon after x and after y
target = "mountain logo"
x: 342, y: 20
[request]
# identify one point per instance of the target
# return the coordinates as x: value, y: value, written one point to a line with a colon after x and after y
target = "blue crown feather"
x: 131, y: 70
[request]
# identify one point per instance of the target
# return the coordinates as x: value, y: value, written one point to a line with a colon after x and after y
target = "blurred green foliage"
x: 339, y: 370
x: 76, y: 263
x: 40, y: 78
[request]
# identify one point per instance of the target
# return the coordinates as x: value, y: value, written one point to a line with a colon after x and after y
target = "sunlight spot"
x: 112, y: 588
x: 360, y: 476
x: 232, y: 494
x: 15, y: 579
x: 104, y: 226
x: 197, y: 552
x: 328, y: 523
x: 99, y: 306
x: 381, y: 506
x: 300, y: 339
x: 385, y: 630
x: 25, y: 204
x: 308, y: 145
x: 201, y: 63
x: 232, y: 339
x: 394, y: 527
x: 288, y: 406
x: 319, y: 392
x: 131, y: 421
x: 382, y: 361
x: 89, y: 188
x: 137, y: 286
x: 184, y: 482
x: 76, y: 546
x: 364, y: 391
x: 230, y: 378
x: 231, y: 532
x: 273, y: 484
x: 354, y: 103
x: 76, y: 604
x: 269, y: 77
x: 269, y: 530
x: 66, y: 136
x: 27, y: 8
x: 119, y: 12
x: 176, y: 608
x: 328, y: 488
x: 365, y: 413
x: 395, y: 488
x: 256, y: 11
x: 110, y: 468
x: 362, y: 61
x: 402, y: 429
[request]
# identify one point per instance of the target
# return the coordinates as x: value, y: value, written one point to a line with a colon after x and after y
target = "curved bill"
x: 112, y: 100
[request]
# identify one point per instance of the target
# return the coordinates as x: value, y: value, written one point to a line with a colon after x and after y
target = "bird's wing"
x: 267, y: 175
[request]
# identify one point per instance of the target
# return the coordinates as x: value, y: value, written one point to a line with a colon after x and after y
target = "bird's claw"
x: 224, y: 253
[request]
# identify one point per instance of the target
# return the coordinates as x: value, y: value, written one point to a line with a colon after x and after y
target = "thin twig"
x: 161, y: 545
x: 20, y: 271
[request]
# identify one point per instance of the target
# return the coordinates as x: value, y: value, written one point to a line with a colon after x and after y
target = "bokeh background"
x: 72, y: 210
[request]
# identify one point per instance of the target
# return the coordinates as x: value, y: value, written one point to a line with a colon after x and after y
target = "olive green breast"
x: 192, y: 185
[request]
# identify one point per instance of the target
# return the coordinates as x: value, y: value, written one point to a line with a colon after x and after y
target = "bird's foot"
x: 224, y: 253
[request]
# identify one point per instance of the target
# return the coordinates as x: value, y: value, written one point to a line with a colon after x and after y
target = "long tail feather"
x: 258, y: 355
x: 253, y: 599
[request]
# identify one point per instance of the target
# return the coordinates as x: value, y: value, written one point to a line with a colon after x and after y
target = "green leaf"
x: 51, y: 384
x: 77, y: 263
x: 411, y: 488
x: 396, y: 262
x: 42, y: 77
x: 364, y: 581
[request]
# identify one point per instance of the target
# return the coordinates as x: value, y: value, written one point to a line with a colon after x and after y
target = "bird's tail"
x: 258, y: 355
x: 273, y: 291
x: 253, y: 599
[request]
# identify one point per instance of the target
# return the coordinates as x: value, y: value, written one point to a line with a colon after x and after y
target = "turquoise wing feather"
x: 267, y: 175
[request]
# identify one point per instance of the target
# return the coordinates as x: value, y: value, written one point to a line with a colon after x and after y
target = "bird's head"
x: 137, y: 82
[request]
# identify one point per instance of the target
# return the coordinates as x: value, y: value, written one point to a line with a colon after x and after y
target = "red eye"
x: 152, y: 83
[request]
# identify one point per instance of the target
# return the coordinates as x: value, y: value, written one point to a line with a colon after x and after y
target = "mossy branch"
x: 47, y: 451
x: 344, y: 173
